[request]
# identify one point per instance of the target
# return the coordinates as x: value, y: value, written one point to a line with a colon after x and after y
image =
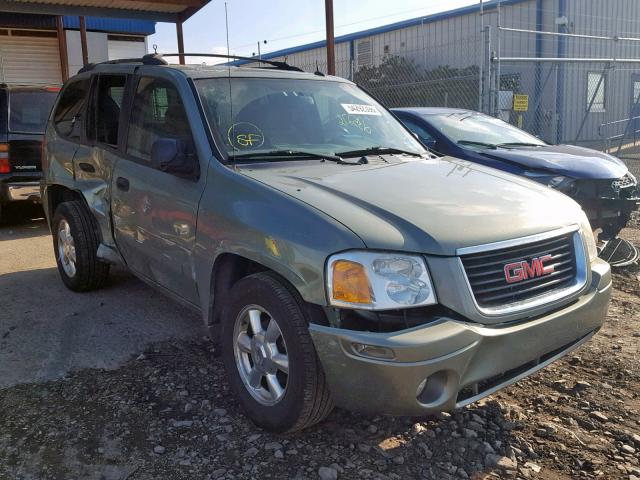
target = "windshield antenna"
x: 233, y: 133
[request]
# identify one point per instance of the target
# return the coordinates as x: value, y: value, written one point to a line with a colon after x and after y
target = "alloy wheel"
x: 66, y: 249
x: 261, y: 355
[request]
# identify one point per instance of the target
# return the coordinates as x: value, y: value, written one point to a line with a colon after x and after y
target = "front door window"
x: 158, y: 112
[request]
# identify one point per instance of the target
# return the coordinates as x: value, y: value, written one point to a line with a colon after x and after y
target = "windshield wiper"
x: 480, y: 144
x: 518, y: 144
x: 377, y: 151
x: 287, y: 154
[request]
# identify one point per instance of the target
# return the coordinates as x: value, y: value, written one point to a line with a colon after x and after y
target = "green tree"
x: 399, y: 82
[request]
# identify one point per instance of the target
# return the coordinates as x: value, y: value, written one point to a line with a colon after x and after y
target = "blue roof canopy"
x: 113, y: 25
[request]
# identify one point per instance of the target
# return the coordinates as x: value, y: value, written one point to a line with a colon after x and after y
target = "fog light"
x: 436, y: 388
x: 373, y: 351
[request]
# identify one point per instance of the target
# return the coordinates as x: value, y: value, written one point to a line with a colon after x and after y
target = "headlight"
x: 378, y: 281
x: 564, y: 184
x: 588, y: 238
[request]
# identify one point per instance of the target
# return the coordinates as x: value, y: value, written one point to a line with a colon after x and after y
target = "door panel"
x: 155, y: 212
x: 93, y: 167
x: 154, y: 216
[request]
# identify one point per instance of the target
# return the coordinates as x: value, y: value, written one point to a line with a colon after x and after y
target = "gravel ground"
x: 167, y: 413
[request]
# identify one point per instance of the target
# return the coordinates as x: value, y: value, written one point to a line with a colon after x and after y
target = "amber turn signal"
x: 350, y: 283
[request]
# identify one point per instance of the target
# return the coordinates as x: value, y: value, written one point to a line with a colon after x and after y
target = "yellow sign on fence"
x: 520, y: 103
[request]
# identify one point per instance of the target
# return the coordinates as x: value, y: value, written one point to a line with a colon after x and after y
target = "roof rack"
x: 149, y: 59
x: 158, y: 59
x: 279, y: 65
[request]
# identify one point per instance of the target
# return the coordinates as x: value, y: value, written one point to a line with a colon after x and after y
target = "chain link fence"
x: 567, y: 72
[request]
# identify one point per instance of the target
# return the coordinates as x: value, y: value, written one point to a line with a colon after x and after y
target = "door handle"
x: 87, y: 167
x: 122, y: 184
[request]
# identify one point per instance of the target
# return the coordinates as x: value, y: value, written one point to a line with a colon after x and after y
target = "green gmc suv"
x: 334, y: 259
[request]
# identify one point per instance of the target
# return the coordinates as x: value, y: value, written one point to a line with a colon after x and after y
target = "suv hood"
x: 568, y: 160
x: 431, y: 206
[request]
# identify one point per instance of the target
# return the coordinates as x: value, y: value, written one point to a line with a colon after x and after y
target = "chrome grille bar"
x: 484, y: 267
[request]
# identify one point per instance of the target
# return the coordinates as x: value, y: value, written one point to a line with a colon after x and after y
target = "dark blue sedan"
x: 599, y: 182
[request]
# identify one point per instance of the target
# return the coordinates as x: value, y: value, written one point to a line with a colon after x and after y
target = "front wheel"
x: 269, y: 356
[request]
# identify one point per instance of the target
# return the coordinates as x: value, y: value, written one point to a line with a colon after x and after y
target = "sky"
x: 286, y: 23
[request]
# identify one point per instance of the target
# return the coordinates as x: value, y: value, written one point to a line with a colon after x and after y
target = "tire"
x: 86, y: 272
x: 305, y: 399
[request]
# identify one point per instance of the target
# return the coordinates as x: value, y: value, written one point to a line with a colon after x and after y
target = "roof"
x: 475, y: 8
x: 215, y: 71
x: 432, y: 110
x: 156, y: 10
x: 211, y: 71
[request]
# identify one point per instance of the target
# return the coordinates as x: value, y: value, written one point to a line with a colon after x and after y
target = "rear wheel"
x: 269, y: 356
x: 75, y: 243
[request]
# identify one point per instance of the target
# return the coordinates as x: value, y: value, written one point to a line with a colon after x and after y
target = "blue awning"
x: 113, y: 25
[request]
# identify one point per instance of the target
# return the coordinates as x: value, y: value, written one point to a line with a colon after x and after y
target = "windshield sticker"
x: 355, y: 109
x: 245, y: 135
x: 345, y: 120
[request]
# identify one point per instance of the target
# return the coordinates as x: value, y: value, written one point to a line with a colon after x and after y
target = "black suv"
x: 24, y: 110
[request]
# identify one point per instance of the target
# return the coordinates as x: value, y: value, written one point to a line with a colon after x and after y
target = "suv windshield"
x: 474, y: 130
x: 29, y: 109
x: 319, y: 116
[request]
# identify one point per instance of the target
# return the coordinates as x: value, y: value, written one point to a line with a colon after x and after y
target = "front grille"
x: 623, y: 182
x: 25, y: 155
x: 619, y: 188
x: 486, y: 271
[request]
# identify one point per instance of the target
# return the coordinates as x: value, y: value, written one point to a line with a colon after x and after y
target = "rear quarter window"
x: 29, y: 110
x: 70, y: 109
x: 4, y: 113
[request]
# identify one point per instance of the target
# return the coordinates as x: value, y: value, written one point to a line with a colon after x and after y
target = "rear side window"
x: 104, y: 114
x: 29, y: 110
x: 158, y: 112
x: 68, y: 115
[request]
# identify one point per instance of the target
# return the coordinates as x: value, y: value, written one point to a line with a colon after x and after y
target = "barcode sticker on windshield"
x: 355, y: 109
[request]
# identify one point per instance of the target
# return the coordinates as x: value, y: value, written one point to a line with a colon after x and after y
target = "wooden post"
x: 62, y: 48
x: 83, y: 41
x: 331, y: 56
x: 180, y: 41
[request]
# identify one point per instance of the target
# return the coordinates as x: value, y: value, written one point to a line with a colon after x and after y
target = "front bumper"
x: 450, y: 363
x: 609, y: 214
x: 23, y: 191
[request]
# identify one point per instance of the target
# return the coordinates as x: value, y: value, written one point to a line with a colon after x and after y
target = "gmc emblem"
x: 519, y: 271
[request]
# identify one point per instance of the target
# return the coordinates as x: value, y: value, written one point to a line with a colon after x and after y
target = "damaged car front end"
x: 431, y: 358
x: 436, y: 312
x: 607, y: 202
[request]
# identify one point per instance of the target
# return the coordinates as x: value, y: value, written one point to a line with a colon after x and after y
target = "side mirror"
x: 171, y: 155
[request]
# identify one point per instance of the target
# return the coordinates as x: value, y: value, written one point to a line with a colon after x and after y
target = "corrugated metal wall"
x: 126, y: 49
x: 557, y: 91
x: 26, y: 59
x: 616, y: 18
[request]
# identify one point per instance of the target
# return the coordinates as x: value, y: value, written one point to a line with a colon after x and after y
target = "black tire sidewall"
x: 90, y: 272
x: 254, y: 291
x: 62, y: 213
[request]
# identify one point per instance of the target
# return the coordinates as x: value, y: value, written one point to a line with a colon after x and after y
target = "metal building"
x: 574, y: 64
x: 30, y: 44
x: 46, y: 41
